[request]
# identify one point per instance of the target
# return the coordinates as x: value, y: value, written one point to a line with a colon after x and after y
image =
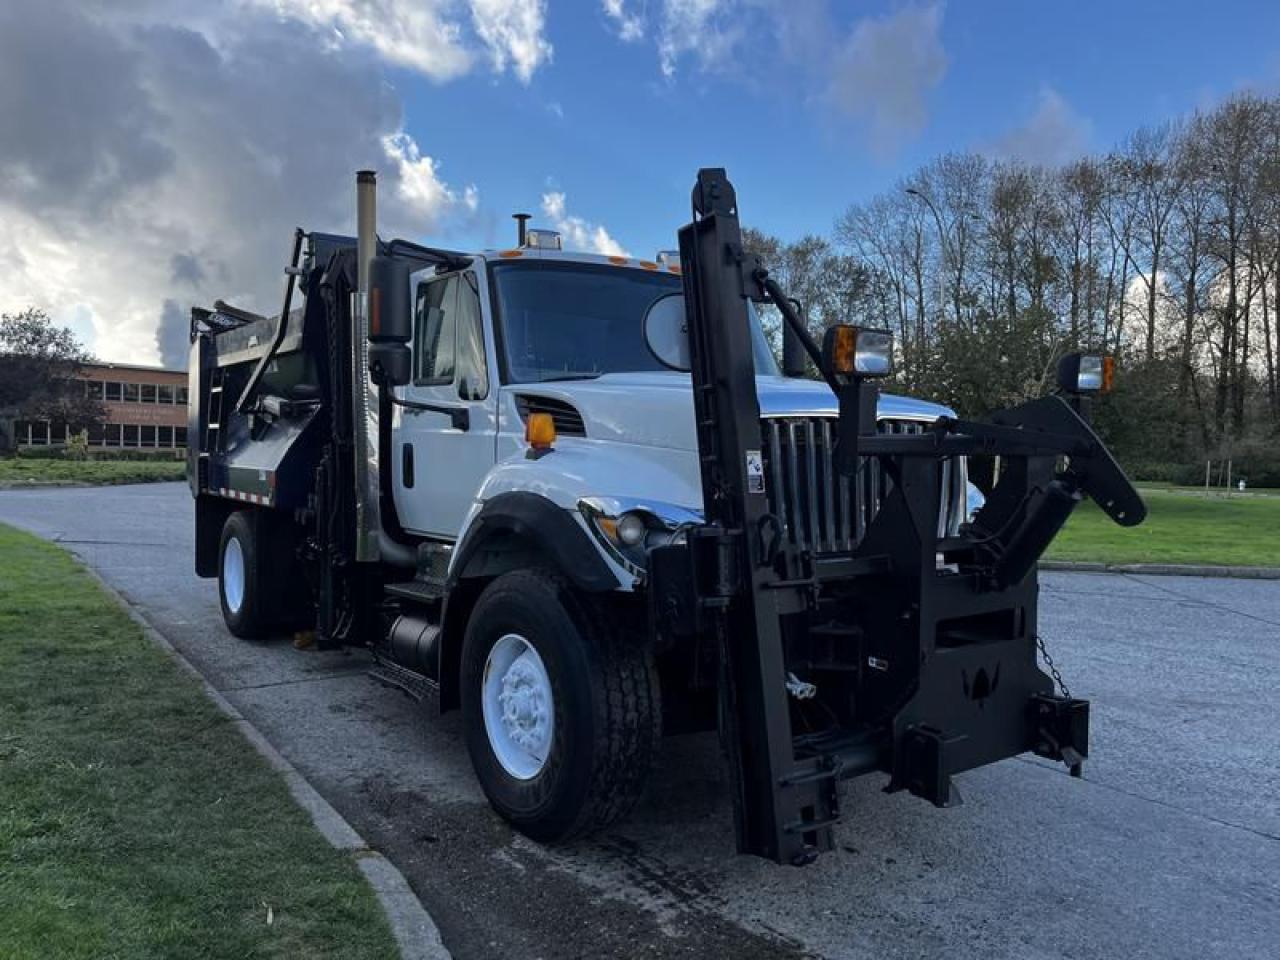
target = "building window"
x: 179, y: 436
x: 164, y: 393
x: 182, y: 395
x: 147, y: 436
x: 164, y: 436
x: 148, y: 393
x: 97, y: 434
x: 39, y: 433
x: 113, y: 435
x: 93, y: 389
x: 115, y: 391
x: 130, y: 435
x: 131, y: 393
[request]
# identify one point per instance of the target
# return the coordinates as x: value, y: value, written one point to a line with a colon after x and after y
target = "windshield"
x: 568, y: 321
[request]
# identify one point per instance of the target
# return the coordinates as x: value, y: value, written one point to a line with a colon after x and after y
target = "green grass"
x: 1182, y: 526
x: 135, y: 820
x: 24, y: 472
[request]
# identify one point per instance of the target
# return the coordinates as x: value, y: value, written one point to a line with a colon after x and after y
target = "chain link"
x: 1053, y: 669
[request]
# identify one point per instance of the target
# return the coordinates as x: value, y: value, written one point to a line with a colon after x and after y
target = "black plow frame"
x: 919, y: 649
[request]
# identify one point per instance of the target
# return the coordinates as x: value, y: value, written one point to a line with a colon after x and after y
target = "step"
x: 420, y: 591
x: 406, y: 681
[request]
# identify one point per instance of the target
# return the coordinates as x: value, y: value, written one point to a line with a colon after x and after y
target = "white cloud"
x: 1054, y: 134
x: 630, y: 25
x: 425, y: 195
x: 163, y: 166
x: 695, y: 27
x: 512, y: 30
x: 885, y: 70
x: 417, y: 34
x: 578, y: 233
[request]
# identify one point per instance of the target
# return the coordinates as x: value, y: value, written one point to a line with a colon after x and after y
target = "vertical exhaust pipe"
x: 366, y: 226
x: 373, y: 543
x: 364, y: 397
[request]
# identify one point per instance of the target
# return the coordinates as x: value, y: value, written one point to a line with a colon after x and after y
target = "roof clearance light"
x: 854, y: 351
x: 543, y: 240
x: 1086, y: 373
x: 540, y: 431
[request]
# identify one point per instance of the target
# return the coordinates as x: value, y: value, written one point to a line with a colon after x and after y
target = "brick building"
x: 146, y: 410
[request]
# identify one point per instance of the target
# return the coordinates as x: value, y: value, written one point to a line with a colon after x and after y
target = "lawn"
x: 135, y: 820
x: 32, y: 472
x: 1182, y: 526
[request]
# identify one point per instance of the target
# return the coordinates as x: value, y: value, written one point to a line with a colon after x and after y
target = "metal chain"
x: 1053, y: 669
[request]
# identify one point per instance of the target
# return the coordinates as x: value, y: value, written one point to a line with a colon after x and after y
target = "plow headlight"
x: 1086, y: 373
x: 856, y: 351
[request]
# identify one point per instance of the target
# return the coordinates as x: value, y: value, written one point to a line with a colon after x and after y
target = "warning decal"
x: 755, y: 472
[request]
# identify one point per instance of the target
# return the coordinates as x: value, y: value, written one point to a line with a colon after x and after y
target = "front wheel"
x: 560, y: 705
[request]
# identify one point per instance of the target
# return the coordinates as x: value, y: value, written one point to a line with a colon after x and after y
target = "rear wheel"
x: 561, y: 706
x: 239, y: 588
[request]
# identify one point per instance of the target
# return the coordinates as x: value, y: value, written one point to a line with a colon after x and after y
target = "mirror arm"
x: 460, y: 416
x: 796, y: 323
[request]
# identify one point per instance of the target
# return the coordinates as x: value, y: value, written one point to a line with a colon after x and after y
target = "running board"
x: 410, y: 682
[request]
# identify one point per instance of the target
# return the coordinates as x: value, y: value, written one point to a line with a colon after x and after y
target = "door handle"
x: 459, y: 416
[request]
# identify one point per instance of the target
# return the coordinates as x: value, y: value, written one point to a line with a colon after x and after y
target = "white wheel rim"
x: 233, y: 574
x: 519, y: 710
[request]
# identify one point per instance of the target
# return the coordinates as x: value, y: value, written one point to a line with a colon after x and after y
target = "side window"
x: 473, y: 374
x: 435, y: 325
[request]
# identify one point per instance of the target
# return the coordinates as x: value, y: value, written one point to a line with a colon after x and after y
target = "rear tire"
x: 573, y: 719
x: 239, y: 577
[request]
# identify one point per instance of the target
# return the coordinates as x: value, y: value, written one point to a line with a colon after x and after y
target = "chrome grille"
x: 825, y: 512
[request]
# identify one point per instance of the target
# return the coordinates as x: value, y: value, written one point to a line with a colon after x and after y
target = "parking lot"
x: 1170, y: 846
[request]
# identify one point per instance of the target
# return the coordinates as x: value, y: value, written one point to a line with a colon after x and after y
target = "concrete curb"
x: 1165, y: 569
x: 415, y: 932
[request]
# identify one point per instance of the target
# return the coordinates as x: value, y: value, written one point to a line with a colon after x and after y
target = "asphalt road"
x: 1169, y: 848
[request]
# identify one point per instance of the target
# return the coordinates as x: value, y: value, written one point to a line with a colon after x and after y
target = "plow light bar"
x: 1086, y: 373
x: 856, y: 351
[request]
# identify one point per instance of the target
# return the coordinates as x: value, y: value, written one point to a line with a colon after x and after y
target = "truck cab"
x: 527, y: 331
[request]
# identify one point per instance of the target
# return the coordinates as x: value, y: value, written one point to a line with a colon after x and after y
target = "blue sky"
x: 158, y: 153
x: 601, y: 122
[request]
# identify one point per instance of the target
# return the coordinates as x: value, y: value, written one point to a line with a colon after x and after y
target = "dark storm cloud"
x: 185, y: 268
x: 79, y: 127
x: 172, y: 338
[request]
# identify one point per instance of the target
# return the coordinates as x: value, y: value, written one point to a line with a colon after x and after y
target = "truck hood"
x: 656, y: 409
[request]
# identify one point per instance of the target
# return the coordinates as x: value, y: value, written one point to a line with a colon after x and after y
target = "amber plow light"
x: 1086, y: 373
x: 855, y: 351
x: 540, y: 431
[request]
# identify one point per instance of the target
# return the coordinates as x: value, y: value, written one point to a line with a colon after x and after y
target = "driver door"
x: 438, y: 466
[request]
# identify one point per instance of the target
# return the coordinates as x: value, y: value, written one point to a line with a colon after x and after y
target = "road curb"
x: 415, y: 932
x: 1165, y: 569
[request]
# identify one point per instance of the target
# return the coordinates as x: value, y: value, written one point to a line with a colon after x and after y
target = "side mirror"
x: 666, y: 332
x: 795, y: 362
x: 390, y: 314
x: 390, y: 364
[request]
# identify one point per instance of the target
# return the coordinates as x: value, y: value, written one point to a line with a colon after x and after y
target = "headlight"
x: 628, y: 529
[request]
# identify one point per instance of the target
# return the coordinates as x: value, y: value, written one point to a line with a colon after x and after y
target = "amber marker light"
x: 540, y: 431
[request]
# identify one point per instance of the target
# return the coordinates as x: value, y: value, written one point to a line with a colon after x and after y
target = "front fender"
x: 579, y: 468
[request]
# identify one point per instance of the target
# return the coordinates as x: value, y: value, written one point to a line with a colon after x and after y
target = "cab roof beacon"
x: 521, y: 478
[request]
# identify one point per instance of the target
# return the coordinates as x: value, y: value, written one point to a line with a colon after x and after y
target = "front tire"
x: 560, y: 706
